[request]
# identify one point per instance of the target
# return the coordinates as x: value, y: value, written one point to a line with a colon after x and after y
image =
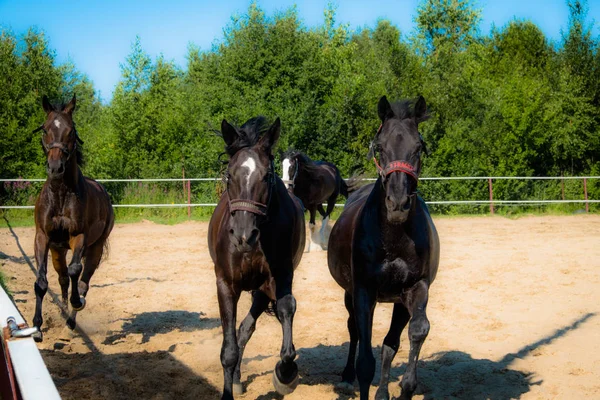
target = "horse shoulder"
x: 432, y: 242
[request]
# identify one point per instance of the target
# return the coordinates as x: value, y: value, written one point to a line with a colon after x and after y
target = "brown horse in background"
x: 72, y: 212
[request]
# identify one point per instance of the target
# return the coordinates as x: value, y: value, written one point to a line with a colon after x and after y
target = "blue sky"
x: 97, y: 35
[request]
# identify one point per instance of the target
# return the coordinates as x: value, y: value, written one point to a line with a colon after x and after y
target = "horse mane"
x: 405, y: 109
x: 304, y: 162
x: 402, y: 109
x: 248, y: 134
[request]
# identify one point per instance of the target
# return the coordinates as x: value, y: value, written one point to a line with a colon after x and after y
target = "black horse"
x: 384, y: 248
x: 256, y: 240
x: 314, y: 182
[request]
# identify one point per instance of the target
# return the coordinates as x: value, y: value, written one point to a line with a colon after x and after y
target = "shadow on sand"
x: 444, y: 375
x: 157, y: 322
x: 142, y: 375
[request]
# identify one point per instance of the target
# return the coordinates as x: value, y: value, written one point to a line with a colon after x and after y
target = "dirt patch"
x: 514, y: 311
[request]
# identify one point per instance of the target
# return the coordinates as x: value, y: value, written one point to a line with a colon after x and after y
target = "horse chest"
x: 394, y: 276
x: 254, y: 271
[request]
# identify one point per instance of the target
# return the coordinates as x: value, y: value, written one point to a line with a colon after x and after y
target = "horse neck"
x: 303, y: 170
x: 390, y: 233
x: 72, y: 178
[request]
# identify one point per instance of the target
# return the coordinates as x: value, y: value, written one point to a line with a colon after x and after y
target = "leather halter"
x: 396, y: 166
x: 252, y: 206
x: 59, y: 145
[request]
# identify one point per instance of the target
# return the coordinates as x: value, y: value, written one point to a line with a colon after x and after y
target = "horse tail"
x: 272, y: 309
x: 344, y: 188
x: 352, y: 184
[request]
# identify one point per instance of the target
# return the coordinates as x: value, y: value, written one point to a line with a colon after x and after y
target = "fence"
x: 23, y: 374
x: 433, y: 188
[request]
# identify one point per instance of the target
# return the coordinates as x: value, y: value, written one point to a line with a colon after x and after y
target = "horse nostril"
x: 231, y: 231
x: 391, y: 203
x: 406, y: 205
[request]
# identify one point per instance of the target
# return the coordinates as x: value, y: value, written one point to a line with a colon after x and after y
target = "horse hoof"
x: 238, y: 389
x: 38, y: 336
x: 345, y: 387
x: 82, y: 299
x: 285, y: 388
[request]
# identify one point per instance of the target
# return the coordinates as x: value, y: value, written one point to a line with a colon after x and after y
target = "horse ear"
x: 384, y: 109
x: 46, y: 105
x: 421, y: 110
x: 270, y: 138
x: 69, y: 108
x: 228, y: 132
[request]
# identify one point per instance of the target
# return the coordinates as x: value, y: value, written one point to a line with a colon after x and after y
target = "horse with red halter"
x: 313, y: 182
x: 256, y: 240
x: 385, y: 248
x: 72, y: 212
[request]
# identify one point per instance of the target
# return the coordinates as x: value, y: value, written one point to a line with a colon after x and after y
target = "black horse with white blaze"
x: 256, y: 240
x: 315, y: 183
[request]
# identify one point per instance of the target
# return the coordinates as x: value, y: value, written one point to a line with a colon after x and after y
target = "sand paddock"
x: 514, y: 311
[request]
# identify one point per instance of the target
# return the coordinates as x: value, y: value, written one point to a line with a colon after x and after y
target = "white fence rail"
x: 33, y: 381
x: 491, y: 201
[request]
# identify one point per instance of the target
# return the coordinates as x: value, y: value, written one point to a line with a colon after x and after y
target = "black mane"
x: 248, y: 134
x: 404, y: 109
x: 304, y: 161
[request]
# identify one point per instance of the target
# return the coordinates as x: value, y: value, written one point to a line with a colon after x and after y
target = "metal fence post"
x: 189, y: 193
x: 562, y: 186
x: 585, y: 195
x: 491, y: 195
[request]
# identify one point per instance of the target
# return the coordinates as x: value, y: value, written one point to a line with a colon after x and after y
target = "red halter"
x: 396, y: 166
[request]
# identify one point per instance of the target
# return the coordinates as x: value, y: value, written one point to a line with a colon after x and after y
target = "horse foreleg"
x: 260, y: 302
x: 93, y: 255
x: 60, y: 266
x: 364, y: 306
x: 325, y: 215
x: 77, y: 244
x: 391, y: 343
x: 285, y: 376
x: 349, y: 374
x: 418, y: 329
x: 40, y: 286
x: 312, y: 226
x: 228, y: 299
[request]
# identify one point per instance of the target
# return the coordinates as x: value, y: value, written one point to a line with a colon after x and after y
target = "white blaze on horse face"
x: 57, y: 123
x: 251, y: 165
x: 286, y: 171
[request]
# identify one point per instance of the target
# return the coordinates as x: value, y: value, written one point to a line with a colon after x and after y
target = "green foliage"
x: 507, y: 103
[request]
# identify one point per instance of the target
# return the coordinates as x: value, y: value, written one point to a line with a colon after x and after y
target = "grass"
x: 172, y: 216
x: 207, y: 192
x: 3, y: 283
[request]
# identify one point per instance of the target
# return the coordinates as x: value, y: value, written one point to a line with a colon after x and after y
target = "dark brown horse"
x: 314, y: 182
x: 384, y: 248
x: 72, y: 212
x: 256, y: 240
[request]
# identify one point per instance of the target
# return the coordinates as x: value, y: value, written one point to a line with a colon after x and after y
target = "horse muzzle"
x: 55, y: 170
x: 245, y: 242
x: 398, y: 209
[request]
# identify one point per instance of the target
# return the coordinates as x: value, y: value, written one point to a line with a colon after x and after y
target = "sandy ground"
x: 514, y: 314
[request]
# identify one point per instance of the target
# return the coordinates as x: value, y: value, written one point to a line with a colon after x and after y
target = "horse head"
x: 399, y: 146
x: 290, y: 168
x: 250, y: 178
x: 59, y: 140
